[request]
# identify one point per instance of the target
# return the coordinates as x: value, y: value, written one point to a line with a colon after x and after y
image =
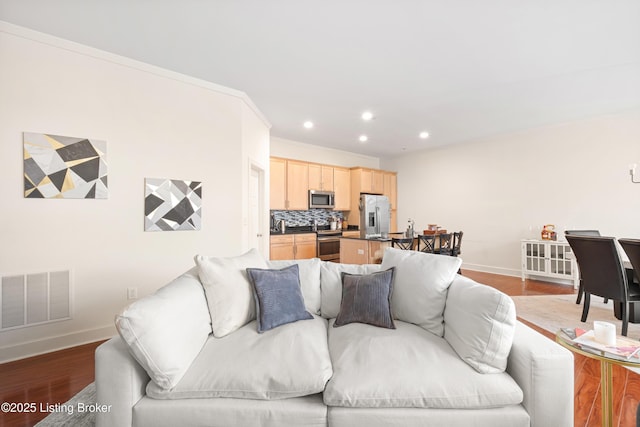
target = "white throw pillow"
x: 165, y: 331
x: 331, y: 284
x: 420, y: 286
x: 228, y: 290
x: 479, y: 323
x: 309, y: 280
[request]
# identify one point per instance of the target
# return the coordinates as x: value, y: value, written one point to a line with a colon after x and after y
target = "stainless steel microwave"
x: 321, y: 199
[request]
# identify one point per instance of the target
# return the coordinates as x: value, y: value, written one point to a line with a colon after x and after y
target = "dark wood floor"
x: 49, y: 378
x: 56, y: 377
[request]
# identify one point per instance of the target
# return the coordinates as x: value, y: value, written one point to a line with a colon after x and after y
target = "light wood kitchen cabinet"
x: 297, y: 185
x: 291, y: 180
x: 292, y: 246
x: 288, y: 184
x: 369, y: 181
x: 321, y: 177
x: 390, y: 187
x: 391, y: 191
x: 281, y: 247
x: 365, y: 181
x: 393, y: 225
x: 342, y: 188
x: 277, y: 183
x: 305, y: 246
x: 361, y: 251
x: 377, y: 181
x: 352, y: 233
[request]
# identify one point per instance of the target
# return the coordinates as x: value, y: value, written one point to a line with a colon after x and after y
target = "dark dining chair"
x: 632, y: 249
x: 404, y: 243
x: 445, y: 246
x: 457, y: 243
x: 427, y: 243
x: 602, y: 273
x: 582, y: 233
x: 456, y: 248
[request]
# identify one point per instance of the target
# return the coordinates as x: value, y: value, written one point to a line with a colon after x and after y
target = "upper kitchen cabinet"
x: 297, y: 185
x: 342, y: 188
x: 367, y: 181
x: 321, y: 177
x: 288, y: 184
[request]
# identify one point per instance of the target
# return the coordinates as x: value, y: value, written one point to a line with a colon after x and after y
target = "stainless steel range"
x: 329, y: 245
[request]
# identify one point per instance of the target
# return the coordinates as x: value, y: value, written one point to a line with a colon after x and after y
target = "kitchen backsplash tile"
x: 302, y: 218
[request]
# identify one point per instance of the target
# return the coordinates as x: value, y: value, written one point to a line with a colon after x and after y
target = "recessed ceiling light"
x: 363, y: 138
x: 424, y: 135
x: 367, y: 115
x: 308, y: 124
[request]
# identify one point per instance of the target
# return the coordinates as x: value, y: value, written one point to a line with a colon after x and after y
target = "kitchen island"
x: 360, y: 250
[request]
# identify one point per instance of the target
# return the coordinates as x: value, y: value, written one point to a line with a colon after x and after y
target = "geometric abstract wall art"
x: 171, y: 205
x: 64, y: 167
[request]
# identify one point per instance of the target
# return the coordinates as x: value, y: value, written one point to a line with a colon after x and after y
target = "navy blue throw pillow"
x: 367, y: 299
x: 278, y: 297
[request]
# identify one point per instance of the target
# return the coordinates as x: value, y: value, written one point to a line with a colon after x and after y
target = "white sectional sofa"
x: 457, y: 355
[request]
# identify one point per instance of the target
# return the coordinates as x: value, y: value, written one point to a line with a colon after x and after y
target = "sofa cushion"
x: 309, y: 280
x: 331, y: 284
x: 289, y: 361
x: 366, y: 298
x: 479, y: 323
x: 278, y: 297
x: 408, y: 367
x: 229, y: 294
x: 420, y: 288
x: 165, y: 331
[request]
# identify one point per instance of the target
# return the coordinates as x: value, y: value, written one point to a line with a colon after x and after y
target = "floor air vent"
x: 34, y: 299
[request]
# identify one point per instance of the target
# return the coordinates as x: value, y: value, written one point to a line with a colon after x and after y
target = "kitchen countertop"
x: 372, y: 239
x: 291, y: 231
x: 303, y: 230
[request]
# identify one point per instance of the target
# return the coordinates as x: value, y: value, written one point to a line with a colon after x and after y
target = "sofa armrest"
x: 544, y: 371
x: 120, y: 383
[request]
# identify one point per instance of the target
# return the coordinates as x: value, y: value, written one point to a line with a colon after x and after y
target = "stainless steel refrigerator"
x: 375, y: 216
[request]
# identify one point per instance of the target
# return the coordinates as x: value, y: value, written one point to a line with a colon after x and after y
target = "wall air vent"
x: 34, y: 299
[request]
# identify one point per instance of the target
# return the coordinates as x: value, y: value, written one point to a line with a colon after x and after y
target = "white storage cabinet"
x: 548, y: 258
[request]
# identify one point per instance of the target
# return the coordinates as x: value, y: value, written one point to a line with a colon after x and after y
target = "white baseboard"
x: 514, y: 273
x: 49, y: 344
x: 490, y: 269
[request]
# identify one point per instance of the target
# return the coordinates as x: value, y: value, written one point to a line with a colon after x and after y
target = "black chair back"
x: 601, y: 271
x: 445, y: 247
x: 457, y: 243
x: 632, y: 249
x: 601, y: 268
x: 427, y: 243
x: 582, y: 233
x: 404, y: 243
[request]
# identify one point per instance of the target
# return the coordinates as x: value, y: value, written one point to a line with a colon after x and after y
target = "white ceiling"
x: 462, y: 70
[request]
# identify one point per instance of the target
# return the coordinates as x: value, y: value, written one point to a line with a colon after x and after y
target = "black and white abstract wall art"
x: 171, y: 205
x: 64, y: 167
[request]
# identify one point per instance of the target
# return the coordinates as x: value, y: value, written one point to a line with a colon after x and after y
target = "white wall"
x: 504, y: 189
x: 313, y: 153
x: 157, y: 124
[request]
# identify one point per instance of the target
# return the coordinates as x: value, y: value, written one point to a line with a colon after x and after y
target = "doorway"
x: 257, y: 237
